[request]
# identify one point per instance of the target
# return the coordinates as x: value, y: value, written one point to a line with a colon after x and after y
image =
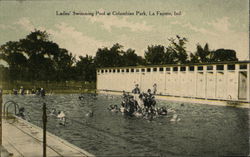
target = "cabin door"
x: 200, y: 85
x: 210, y: 90
x: 243, y: 85
x: 143, y: 82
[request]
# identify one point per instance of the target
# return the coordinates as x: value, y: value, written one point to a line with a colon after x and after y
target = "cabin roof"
x: 172, y: 65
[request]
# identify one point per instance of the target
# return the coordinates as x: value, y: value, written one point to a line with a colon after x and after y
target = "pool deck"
x: 23, y: 139
x: 231, y: 103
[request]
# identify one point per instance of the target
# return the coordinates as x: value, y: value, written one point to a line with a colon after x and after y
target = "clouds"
x: 107, y: 22
x: 194, y: 28
x: 6, y: 27
x: 75, y: 41
x: 25, y: 23
x: 66, y: 36
x: 85, y: 34
x: 221, y: 24
x: 79, y: 44
x: 219, y: 34
x: 229, y: 38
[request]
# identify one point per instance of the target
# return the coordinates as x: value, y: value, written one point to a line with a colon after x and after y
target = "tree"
x: 12, y: 54
x: 224, y: 55
x: 130, y: 58
x: 194, y: 58
x: 17, y: 65
x: 202, y: 55
x: 86, y: 69
x: 178, y: 49
x: 170, y: 56
x: 155, y: 54
x: 64, y: 62
x: 112, y: 57
x: 37, y: 58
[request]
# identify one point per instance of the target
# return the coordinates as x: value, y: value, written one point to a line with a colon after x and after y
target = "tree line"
x: 36, y: 57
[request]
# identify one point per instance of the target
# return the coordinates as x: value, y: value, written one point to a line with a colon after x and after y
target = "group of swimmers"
x: 142, y: 105
x: 82, y: 96
x: 37, y: 91
x: 60, y: 115
x: 139, y: 105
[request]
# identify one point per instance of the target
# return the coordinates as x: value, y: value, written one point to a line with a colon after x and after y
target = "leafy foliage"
x: 155, y: 54
x: 205, y: 55
x: 37, y: 58
x: 178, y: 49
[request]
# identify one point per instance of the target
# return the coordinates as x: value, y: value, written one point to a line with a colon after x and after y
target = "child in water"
x: 61, y: 117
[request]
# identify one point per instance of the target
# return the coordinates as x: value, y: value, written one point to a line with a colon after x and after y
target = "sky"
x: 220, y: 23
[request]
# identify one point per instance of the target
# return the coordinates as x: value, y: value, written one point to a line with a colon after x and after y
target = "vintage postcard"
x: 124, y: 78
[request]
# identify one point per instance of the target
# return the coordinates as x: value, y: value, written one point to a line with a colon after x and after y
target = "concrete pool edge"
x: 225, y: 103
x: 61, y: 143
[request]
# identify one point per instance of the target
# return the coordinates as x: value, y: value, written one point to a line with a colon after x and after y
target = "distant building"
x: 223, y: 81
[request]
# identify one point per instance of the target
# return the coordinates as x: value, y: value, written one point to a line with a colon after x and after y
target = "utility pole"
x: 1, y: 129
x: 44, y: 129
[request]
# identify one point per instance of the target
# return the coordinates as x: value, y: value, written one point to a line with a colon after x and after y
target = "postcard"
x: 124, y: 78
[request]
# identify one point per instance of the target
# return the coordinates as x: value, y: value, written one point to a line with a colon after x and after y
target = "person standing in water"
x: 136, y: 90
x: 15, y: 91
x: 42, y: 92
x: 21, y: 90
x: 141, y: 101
x: 154, y: 88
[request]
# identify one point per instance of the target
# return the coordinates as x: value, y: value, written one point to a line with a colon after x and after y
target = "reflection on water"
x: 202, y: 131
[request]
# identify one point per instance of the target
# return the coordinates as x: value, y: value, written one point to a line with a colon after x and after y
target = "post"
x: 1, y: 101
x: 248, y: 83
x: 44, y: 129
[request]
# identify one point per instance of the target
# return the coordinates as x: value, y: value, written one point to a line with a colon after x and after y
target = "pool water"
x: 203, y: 130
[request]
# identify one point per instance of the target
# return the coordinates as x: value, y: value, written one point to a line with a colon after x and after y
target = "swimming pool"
x: 203, y: 130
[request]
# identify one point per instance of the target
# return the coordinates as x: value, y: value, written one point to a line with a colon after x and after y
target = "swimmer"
x: 21, y: 113
x: 171, y: 110
x: 53, y: 112
x: 42, y: 92
x: 148, y: 116
x: 81, y: 97
x: 50, y: 93
x: 141, y: 101
x: 15, y: 91
x: 175, y: 118
x: 61, y: 117
x: 110, y: 107
x: 137, y: 114
x: 162, y: 111
x: 89, y: 114
x: 115, y: 109
x: 122, y: 109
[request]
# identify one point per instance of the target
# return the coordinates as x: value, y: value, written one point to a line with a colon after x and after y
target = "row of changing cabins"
x: 223, y: 81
